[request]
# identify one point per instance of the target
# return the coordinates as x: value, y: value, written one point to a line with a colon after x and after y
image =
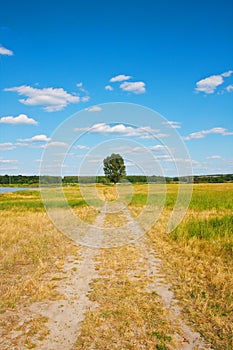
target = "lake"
x: 15, y: 189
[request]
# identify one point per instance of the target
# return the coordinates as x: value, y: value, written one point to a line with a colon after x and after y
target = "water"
x: 15, y: 189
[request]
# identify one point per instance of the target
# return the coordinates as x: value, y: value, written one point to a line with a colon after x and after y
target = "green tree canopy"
x: 114, y: 167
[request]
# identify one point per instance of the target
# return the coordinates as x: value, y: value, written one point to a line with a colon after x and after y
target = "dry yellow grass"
x: 30, y: 247
x: 32, y: 252
x: 107, y: 193
x: 200, y: 268
x: 202, y: 279
x: 86, y: 214
x: 23, y: 331
x: 114, y: 220
x: 200, y: 264
x: 127, y: 316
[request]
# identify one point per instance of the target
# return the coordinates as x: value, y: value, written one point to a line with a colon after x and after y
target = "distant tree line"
x: 213, y: 178
x: 50, y: 180
x: 28, y: 180
x: 104, y: 180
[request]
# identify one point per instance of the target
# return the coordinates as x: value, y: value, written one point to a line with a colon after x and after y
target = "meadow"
x: 197, y: 259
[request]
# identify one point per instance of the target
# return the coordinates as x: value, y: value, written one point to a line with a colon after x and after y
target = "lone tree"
x: 114, y: 167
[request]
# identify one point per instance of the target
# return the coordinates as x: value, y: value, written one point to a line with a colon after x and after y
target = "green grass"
x: 218, y: 231
x: 31, y: 200
x: 142, y: 199
x: 204, y: 197
x: 211, y: 197
x: 23, y: 200
x: 214, y: 228
x: 208, y: 201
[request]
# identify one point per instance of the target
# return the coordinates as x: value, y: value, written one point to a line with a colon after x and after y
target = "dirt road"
x: 64, y: 317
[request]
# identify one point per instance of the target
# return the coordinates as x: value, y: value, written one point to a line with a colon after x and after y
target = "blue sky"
x: 59, y: 58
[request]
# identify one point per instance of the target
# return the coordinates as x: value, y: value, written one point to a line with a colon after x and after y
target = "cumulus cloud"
x: 208, y: 85
x: 36, y: 138
x: 162, y: 156
x: 80, y: 86
x: 214, y: 157
x: 85, y: 98
x: 7, y: 146
x: 5, y: 51
x: 158, y: 148
x: 81, y: 147
x: 229, y: 88
x: 20, y: 119
x: 52, y: 99
x: 56, y: 144
x: 120, y: 77
x: 94, y: 109
x: 137, y: 87
x: 201, y: 134
x: 109, y: 88
x: 8, y: 161
x: 124, y: 130
x: 175, y: 125
x: 227, y: 74
x: 180, y: 160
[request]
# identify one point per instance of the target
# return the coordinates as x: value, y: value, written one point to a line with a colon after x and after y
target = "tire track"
x: 184, y: 336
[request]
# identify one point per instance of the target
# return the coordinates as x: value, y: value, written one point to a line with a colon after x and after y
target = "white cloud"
x: 229, y: 88
x: 5, y: 51
x: 180, y: 160
x: 108, y: 87
x: 227, y: 74
x: 137, y: 87
x: 165, y: 156
x: 94, y: 109
x: 80, y: 86
x: 208, y: 85
x: 21, y: 144
x: 158, y: 148
x: 201, y: 134
x: 120, y: 77
x: 20, y: 119
x: 56, y: 144
x: 8, y: 161
x: 85, y: 98
x: 7, y: 146
x: 214, y: 157
x: 36, y: 138
x: 175, y: 125
x: 10, y: 169
x: 81, y: 147
x: 142, y: 132
x: 52, y: 99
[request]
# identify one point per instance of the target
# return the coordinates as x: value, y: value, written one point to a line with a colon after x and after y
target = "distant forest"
x: 66, y: 180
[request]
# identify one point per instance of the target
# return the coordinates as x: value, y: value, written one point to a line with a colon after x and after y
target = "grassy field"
x: 197, y: 259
